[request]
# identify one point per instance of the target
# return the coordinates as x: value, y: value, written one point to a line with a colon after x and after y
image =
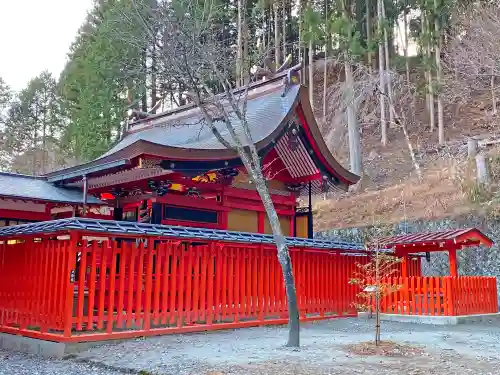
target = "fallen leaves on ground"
x: 385, y: 348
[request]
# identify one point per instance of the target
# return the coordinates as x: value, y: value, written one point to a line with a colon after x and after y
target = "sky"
x: 36, y: 35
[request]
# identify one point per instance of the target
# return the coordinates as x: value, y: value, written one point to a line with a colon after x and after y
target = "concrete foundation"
x: 32, y: 346
x: 45, y: 348
x: 436, y: 320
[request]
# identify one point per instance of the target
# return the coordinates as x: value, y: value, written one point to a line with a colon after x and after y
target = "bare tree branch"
x: 193, y: 57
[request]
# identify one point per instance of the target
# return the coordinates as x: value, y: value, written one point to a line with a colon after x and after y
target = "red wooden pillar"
x: 224, y: 219
x: 404, y: 266
x: 452, y: 256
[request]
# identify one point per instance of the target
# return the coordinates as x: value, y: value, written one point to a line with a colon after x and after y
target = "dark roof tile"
x: 264, y: 114
x: 37, y: 188
x: 168, y: 231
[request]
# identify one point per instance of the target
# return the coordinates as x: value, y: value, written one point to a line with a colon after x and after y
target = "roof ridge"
x: 20, y: 175
x: 189, y: 106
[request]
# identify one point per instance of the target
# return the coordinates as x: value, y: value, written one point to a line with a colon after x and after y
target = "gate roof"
x: 434, y: 241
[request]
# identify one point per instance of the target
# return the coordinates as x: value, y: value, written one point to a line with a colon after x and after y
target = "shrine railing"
x: 442, y: 296
x: 72, y: 290
x: 73, y: 286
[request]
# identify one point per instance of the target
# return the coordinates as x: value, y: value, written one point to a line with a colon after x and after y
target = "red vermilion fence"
x: 64, y: 291
x: 73, y: 290
x: 442, y: 296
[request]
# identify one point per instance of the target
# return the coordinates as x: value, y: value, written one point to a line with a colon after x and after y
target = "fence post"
x: 483, y: 173
x: 495, y: 295
x: 70, y: 275
x: 472, y: 148
x: 449, y: 294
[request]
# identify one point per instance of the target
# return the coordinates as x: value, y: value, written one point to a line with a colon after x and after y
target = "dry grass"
x: 385, y: 348
x: 391, y: 192
x: 440, y: 194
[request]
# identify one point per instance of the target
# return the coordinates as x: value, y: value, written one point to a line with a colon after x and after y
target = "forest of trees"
x: 112, y: 67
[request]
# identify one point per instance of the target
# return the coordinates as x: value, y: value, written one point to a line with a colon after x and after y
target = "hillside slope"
x: 391, y: 190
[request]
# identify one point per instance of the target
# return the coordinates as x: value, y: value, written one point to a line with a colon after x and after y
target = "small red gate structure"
x: 452, y: 295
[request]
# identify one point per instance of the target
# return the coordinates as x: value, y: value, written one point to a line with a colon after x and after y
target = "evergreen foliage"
x: 105, y: 76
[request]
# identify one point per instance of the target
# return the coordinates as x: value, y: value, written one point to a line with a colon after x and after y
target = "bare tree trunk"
x: 355, y: 157
x: 44, y: 148
x: 429, y: 77
x: 369, y: 35
x: 493, y: 96
x: 283, y: 26
x: 277, y: 46
x: 401, y: 120
x: 268, y: 24
x: 425, y: 56
x: 311, y: 72
x: 482, y: 170
x: 437, y: 47
x: 407, y: 62
x: 301, y: 37
x: 284, y: 259
x: 245, y: 67
x: 144, y: 91
x: 153, y: 78
x: 252, y: 163
x: 239, y: 46
x: 471, y: 148
x: 381, y: 67
x: 327, y: 52
x: 388, y: 66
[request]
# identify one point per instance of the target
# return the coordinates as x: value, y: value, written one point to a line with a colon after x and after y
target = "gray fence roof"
x: 167, y: 231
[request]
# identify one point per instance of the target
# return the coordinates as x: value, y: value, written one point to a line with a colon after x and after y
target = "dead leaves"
x: 385, y: 348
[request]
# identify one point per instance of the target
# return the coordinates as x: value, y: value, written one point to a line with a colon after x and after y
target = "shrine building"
x: 165, y: 233
x: 171, y: 169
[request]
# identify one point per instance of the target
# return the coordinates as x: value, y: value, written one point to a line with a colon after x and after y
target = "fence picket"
x: 121, y: 283
x: 111, y: 290
x: 195, y: 309
x: 133, y: 258
x: 218, y: 284
x: 210, y: 285
x: 157, y: 284
x: 148, y: 287
x: 181, y: 275
x: 236, y: 271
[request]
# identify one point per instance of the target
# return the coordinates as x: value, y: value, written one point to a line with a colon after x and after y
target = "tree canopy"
x: 85, y: 108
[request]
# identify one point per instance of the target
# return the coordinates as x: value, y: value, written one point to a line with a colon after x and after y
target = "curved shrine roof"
x: 189, y: 131
x: 183, y: 136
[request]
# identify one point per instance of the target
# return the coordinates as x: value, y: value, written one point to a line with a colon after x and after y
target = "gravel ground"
x: 22, y: 364
x: 463, y: 349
